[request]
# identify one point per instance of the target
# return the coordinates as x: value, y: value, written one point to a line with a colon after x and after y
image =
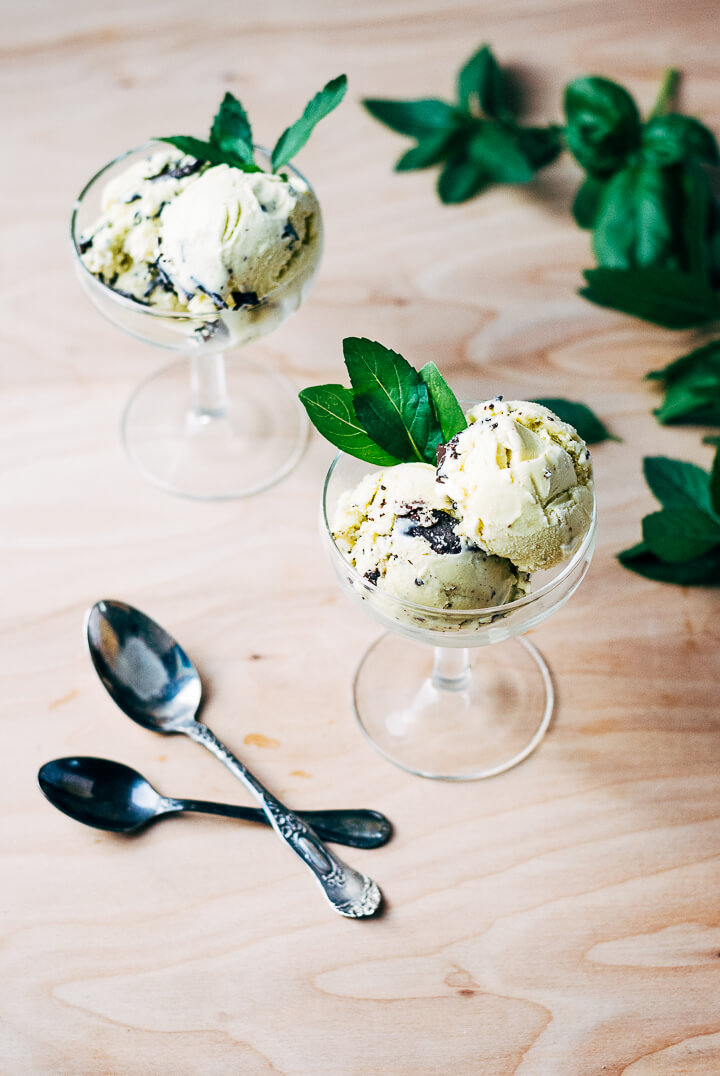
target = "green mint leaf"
x: 231, y: 130
x: 705, y: 357
x: 676, y: 535
x: 391, y: 400
x: 676, y: 484
x: 331, y: 410
x: 603, y: 124
x: 712, y: 439
x: 672, y: 139
x: 294, y: 138
x: 430, y: 150
x: 634, y: 224
x: 667, y: 94
x: 208, y: 151
x: 704, y: 570
x: 418, y: 119
x: 447, y: 410
x: 579, y: 415
x: 539, y: 145
x: 493, y: 149
x: 692, y: 387
x: 460, y: 179
x: 588, y: 200
x: 481, y: 86
x: 665, y: 297
x: 694, y: 216
x: 715, y: 484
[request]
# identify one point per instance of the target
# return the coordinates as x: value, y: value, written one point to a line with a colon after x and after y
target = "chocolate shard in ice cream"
x: 399, y: 530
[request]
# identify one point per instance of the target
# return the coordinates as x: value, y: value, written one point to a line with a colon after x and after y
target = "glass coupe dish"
x: 454, y: 694
x: 208, y: 426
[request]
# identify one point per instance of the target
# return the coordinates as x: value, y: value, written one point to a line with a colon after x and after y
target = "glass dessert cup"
x: 209, y: 426
x: 456, y: 694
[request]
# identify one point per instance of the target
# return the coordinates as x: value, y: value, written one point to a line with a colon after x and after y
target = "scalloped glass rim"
x: 459, y: 614
x: 133, y: 304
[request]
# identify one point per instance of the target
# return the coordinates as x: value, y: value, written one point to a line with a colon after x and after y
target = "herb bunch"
x: 647, y: 195
x: 680, y: 543
x: 476, y: 138
x: 231, y: 142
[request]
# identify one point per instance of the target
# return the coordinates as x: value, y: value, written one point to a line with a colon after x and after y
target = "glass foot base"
x: 488, y: 722
x: 254, y: 441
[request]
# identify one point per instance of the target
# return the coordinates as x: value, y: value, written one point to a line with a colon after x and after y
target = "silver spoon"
x: 109, y: 795
x: 153, y: 681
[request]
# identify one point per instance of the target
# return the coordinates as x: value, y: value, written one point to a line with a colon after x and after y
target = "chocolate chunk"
x: 290, y: 233
x: 439, y: 534
x: 158, y: 211
x: 178, y: 172
x: 216, y: 298
x: 132, y: 198
x: 244, y: 298
x: 373, y: 576
x: 84, y: 245
x: 419, y: 582
x: 440, y: 454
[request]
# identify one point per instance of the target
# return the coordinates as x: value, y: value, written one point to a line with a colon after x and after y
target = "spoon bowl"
x: 101, y: 793
x: 144, y: 669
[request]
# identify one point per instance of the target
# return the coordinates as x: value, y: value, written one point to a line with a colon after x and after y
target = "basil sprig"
x: 392, y: 414
x: 230, y: 141
x: 476, y: 138
x: 680, y: 543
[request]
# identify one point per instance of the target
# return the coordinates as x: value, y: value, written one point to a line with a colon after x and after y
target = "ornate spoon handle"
x: 350, y: 893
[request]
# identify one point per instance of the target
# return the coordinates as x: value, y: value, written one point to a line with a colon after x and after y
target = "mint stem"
x: 667, y: 92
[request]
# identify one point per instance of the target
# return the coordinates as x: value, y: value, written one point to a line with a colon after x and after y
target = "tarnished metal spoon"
x: 153, y: 681
x: 109, y: 795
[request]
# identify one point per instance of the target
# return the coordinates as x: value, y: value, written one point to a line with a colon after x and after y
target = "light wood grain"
x: 561, y: 920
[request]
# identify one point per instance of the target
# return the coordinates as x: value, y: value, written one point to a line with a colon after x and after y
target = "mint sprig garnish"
x: 692, y: 388
x: 680, y: 543
x: 476, y: 138
x: 293, y: 138
x: 230, y: 141
x: 392, y: 414
x: 592, y: 430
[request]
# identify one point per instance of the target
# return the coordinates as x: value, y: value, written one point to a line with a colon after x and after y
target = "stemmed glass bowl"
x: 210, y: 425
x: 453, y: 694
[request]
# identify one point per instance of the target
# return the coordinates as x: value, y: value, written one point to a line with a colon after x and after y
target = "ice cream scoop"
x: 233, y: 236
x: 522, y: 482
x: 183, y: 236
x: 401, y: 532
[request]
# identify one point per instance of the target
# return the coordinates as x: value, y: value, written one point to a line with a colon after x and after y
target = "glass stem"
x: 208, y: 386
x: 451, y: 669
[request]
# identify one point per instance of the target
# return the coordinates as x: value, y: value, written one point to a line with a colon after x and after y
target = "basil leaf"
x: 494, y: 151
x: 231, y: 130
x: 665, y: 297
x: 331, y: 410
x: 676, y: 484
x: 481, y: 86
x: 294, y: 137
x: 420, y: 118
x: 588, y: 199
x: 430, y: 150
x: 391, y: 400
x: 603, y: 124
x: 672, y: 139
x: 680, y: 535
x: 579, y: 415
x: 699, y: 570
x: 447, y: 410
x: 634, y: 224
x: 460, y: 179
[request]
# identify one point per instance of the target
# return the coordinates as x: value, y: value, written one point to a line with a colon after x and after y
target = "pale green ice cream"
x: 181, y: 236
x: 400, y: 531
x: 522, y: 483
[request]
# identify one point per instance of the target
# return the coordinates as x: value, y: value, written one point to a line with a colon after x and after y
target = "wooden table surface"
x: 559, y: 920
